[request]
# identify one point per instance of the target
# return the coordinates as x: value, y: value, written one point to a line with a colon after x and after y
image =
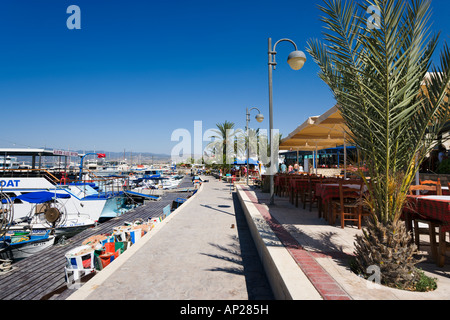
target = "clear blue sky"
x: 138, y: 70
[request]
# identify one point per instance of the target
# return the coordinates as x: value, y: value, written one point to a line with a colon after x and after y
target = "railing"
x: 108, y: 187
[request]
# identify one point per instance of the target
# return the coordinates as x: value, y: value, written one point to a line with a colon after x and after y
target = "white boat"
x: 85, y: 200
x: 111, y: 168
x: 17, y: 246
x: 49, y: 212
x: 7, y: 162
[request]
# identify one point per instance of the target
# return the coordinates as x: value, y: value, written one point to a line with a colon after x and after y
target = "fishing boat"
x: 48, y: 212
x: 20, y: 245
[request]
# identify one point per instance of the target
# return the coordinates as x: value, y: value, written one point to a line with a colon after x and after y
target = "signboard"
x: 65, y: 153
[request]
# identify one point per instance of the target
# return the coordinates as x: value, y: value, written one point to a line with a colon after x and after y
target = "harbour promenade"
x: 202, y: 251
x: 206, y: 251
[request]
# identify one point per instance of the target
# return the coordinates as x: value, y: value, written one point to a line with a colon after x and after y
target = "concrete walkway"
x: 202, y: 251
x: 223, y: 245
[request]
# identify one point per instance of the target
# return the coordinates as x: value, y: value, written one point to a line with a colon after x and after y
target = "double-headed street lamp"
x: 296, y: 60
x: 259, y: 117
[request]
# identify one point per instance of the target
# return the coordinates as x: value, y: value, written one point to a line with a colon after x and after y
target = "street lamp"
x: 296, y: 60
x: 259, y: 117
x: 99, y: 155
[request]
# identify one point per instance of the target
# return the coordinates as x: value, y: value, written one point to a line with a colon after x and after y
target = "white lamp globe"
x: 259, y: 117
x: 296, y: 59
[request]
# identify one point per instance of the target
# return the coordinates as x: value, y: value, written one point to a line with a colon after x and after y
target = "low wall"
x: 444, y: 178
x: 287, y: 280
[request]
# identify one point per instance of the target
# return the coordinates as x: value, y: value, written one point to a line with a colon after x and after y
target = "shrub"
x: 444, y: 167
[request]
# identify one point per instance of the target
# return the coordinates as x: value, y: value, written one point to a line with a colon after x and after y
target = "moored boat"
x: 20, y: 245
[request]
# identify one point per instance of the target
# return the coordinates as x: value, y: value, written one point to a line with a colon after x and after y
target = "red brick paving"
x: 327, y: 287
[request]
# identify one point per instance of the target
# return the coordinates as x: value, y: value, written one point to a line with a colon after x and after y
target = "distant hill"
x: 130, y: 155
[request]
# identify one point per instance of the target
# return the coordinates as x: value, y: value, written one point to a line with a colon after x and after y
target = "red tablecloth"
x: 432, y: 207
x: 299, y: 184
x: 328, y: 191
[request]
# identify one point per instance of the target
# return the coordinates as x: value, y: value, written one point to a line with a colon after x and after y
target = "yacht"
x: 7, y: 162
x: 86, y: 199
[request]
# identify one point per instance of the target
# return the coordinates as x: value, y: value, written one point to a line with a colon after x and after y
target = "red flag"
x: 101, y: 155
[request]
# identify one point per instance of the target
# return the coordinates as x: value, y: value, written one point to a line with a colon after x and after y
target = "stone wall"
x: 444, y: 178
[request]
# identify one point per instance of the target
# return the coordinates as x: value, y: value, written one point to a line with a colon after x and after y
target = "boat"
x: 84, y: 199
x: 48, y: 212
x: 156, y: 181
x: 7, y: 162
x: 91, y: 197
x: 110, y: 168
x: 20, y: 245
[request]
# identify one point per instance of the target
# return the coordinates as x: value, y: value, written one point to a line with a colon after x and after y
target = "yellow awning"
x: 318, y: 132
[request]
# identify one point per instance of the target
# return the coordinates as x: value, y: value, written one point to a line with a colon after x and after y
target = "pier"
x: 42, y: 276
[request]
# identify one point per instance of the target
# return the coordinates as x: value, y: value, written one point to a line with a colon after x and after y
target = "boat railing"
x: 107, y: 186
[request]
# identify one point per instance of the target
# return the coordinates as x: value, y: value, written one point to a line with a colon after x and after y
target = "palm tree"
x: 227, y: 142
x: 394, y: 109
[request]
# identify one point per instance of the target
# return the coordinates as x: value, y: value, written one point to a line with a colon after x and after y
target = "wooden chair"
x: 350, y: 206
x: 309, y: 195
x: 419, y: 188
x: 322, y: 210
x: 444, y: 246
x: 436, y: 184
x: 425, y: 226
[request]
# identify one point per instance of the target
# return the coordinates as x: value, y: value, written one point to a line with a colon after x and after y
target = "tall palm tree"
x: 227, y: 142
x: 394, y: 109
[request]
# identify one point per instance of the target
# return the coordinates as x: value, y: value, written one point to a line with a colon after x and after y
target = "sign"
x: 65, y: 153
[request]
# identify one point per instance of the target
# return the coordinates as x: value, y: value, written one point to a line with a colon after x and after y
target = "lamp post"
x: 296, y: 60
x: 99, y: 155
x: 259, y: 117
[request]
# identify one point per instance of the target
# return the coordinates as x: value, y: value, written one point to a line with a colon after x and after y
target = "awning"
x: 41, y: 196
x: 251, y: 161
x: 317, y: 133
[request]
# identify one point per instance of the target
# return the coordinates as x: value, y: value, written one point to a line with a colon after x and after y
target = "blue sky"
x: 137, y: 70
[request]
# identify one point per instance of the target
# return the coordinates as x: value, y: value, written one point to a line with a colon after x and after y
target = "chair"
x: 436, y: 184
x: 422, y: 187
x: 444, y: 246
x: 350, y: 205
x: 425, y: 226
x: 322, y: 210
x: 309, y: 195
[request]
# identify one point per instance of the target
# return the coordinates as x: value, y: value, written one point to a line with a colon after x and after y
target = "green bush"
x: 444, y: 167
x: 425, y: 283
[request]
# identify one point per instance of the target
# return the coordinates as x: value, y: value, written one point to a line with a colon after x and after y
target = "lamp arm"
x: 252, y: 109
x: 289, y: 40
x: 273, y: 52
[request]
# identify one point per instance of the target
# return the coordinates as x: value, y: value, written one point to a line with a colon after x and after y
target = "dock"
x: 42, y: 276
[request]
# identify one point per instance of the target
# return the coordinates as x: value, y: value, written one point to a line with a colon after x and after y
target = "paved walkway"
x: 203, y: 251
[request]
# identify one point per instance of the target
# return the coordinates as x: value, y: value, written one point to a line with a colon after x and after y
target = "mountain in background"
x: 134, y: 157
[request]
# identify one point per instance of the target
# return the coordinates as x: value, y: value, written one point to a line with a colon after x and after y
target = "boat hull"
x: 25, y: 249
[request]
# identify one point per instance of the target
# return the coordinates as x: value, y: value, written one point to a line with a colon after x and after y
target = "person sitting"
x: 442, y: 153
x: 290, y: 169
x: 283, y: 168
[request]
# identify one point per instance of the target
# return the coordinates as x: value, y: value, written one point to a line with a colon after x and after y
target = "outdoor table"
x: 435, y: 208
x: 297, y: 185
x: 326, y: 192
